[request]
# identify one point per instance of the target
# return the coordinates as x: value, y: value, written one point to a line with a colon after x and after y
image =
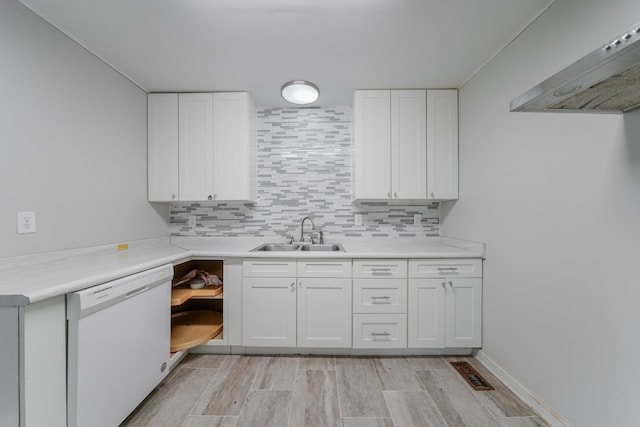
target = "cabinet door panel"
x: 324, y: 312
x: 232, y: 148
x: 196, y: 145
x: 426, y: 313
x: 442, y: 144
x: 408, y: 144
x: 464, y: 313
x: 162, y: 153
x: 269, y: 312
x: 372, y: 141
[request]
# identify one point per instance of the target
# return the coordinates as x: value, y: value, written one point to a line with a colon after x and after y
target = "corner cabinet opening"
x: 197, y: 315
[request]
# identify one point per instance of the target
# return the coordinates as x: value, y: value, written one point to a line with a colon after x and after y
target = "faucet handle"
x: 290, y: 240
x: 321, y: 237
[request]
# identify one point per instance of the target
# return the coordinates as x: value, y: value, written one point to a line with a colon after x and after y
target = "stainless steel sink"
x: 322, y: 248
x: 305, y: 247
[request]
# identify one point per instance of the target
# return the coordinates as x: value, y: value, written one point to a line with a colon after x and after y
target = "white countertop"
x: 28, y: 279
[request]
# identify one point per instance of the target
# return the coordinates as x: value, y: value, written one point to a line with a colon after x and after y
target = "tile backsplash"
x: 304, y: 165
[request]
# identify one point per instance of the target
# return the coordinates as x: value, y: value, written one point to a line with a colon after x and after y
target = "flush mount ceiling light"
x: 300, y: 92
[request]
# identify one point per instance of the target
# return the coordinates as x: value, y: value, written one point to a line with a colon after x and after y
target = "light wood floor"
x: 297, y: 391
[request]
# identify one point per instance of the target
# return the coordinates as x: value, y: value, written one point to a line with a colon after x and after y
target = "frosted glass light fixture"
x: 300, y: 92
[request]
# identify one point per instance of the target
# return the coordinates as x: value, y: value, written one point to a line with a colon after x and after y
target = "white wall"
x: 72, y: 143
x: 556, y: 197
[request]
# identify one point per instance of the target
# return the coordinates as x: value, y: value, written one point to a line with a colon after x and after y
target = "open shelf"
x: 192, y: 328
x: 180, y: 295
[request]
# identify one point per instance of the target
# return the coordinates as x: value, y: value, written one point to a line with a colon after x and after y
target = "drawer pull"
x: 447, y: 268
x: 380, y: 334
x: 380, y: 270
x: 385, y: 300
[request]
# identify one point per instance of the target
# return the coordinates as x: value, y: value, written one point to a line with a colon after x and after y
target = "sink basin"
x: 322, y: 248
x: 305, y: 247
x: 276, y: 247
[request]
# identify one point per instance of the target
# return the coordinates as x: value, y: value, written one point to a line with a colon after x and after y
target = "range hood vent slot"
x: 606, y: 80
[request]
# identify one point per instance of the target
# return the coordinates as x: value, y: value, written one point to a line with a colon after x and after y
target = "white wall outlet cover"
x: 26, y: 222
x: 417, y: 219
x: 357, y: 219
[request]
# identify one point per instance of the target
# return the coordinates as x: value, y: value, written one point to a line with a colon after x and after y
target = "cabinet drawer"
x: 379, y: 331
x: 270, y: 268
x: 324, y: 268
x: 367, y: 268
x: 380, y: 296
x: 471, y: 267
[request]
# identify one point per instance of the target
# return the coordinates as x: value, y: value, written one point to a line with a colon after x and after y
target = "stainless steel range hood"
x: 606, y: 80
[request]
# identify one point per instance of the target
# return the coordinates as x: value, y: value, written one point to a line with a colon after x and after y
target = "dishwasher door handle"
x: 135, y: 292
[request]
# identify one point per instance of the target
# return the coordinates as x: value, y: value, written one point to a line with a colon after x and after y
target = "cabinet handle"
x: 389, y: 195
x: 451, y: 284
x: 375, y: 270
x: 443, y: 284
x: 385, y: 300
x: 292, y: 284
x: 384, y: 297
x: 395, y: 194
x: 432, y: 196
x: 380, y: 334
x: 210, y: 197
x: 173, y: 196
x: 447, y: 268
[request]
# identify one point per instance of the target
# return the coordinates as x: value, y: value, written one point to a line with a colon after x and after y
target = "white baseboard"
x: 526, y: 395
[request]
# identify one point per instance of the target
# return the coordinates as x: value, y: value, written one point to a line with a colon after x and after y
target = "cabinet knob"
x: 173, y: 196
x: 389, y: 194
x: 210, y: 197
x: 450, y: 284
x: 395, y: 194
x: 292, y: 284
x: 432, y: 196
x: 443, y: 284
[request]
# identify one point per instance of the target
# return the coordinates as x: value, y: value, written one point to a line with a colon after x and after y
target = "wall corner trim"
x: 540, y: 406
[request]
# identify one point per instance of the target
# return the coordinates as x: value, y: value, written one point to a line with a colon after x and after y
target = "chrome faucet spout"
x: 313, y: 227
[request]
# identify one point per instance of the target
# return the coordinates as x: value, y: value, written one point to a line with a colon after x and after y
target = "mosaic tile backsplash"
x: 304, y: 166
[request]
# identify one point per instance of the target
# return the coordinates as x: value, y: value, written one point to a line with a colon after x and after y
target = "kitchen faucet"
x: 313, y: 227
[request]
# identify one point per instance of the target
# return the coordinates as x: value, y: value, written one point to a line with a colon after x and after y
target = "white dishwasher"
x: 118, y: 346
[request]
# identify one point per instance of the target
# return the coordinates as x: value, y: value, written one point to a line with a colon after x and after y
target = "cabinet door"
x: 233, y: 147
x: 162, y: 144
x: 426, y: 313
x: 408, y: 144
x: 442, y: 144
x: 372, y: 144
x: 324, y: 312
x: 463, y: 312
x: 269, y: 312
x: 196, y: 146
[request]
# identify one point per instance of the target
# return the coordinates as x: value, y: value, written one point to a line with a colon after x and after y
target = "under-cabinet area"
x: 197, y: 304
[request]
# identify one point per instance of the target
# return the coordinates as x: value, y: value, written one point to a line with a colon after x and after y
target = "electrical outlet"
x: 417, y: 219
x: 26, y: 222
x: 358, y: 219
x: 192, y: 221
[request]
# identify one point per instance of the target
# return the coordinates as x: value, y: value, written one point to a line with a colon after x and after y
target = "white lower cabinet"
x: 307, y: 304
x: 378, y: 331
x: 445, y: 304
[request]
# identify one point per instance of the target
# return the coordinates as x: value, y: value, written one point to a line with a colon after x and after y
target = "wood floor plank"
x: 359, y: 389
x: 414, y: 409
x: 315, y: 399
x: 317, y: 362
x: 203, y: 361
x: 395, y: 373
x: 232, y: 391
x: 210, y: 421
x: 455, y: 399
x: 522, y: 422
x: 266, y: 408
x: 170, y: 403
x: 428, y: 363
x: 367, y: 422
x: 276, y: 373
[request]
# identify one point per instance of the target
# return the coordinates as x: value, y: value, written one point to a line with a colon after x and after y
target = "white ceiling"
x: 257, y: 45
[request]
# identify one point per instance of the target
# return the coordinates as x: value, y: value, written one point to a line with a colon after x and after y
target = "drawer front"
x: 467, y: 267
x: 380, y: 296
x: 269, y: 268
x: 380, y: 268
x: 324, y: 268
x: 379, y: 331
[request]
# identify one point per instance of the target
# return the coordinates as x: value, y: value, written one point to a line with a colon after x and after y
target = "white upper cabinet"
x: 163, y: 147
x: 234, y: 149
x: 442, y: 144
x: 372, y: 140
x: 201, y: 147
x: 406, y: 144
x: 196, y: 145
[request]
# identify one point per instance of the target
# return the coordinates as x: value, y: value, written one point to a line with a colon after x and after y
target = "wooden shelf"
x: 180, y: 295
x: 192, y: 328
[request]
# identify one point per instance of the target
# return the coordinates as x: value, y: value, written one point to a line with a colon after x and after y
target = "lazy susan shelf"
x: 180, y: 295
x: 192, y: 328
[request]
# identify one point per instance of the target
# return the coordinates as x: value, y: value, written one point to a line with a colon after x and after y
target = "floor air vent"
x: 474, y: 379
